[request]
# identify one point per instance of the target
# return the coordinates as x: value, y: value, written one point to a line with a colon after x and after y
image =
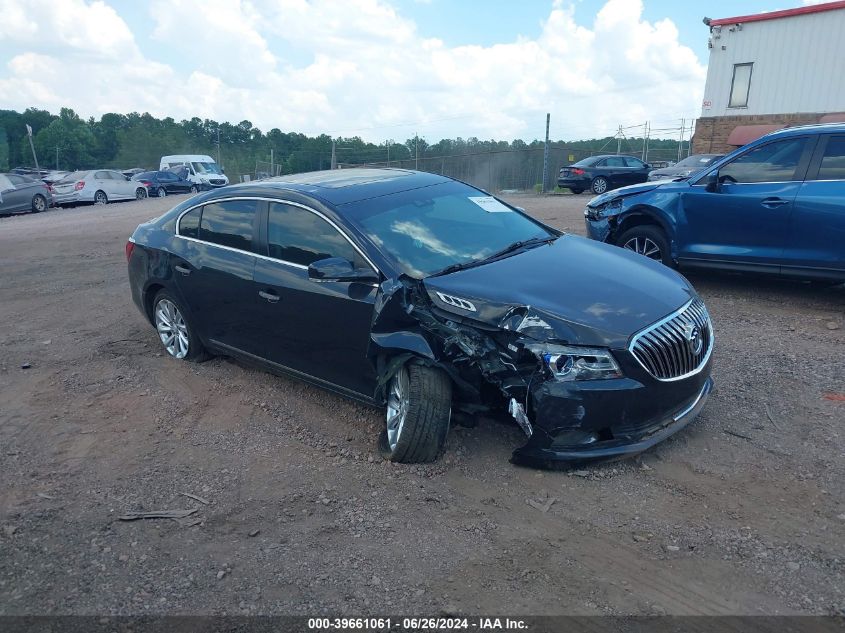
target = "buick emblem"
x: 694, y: 339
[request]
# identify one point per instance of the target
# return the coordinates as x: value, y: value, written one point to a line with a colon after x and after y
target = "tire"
x: 140, y: 193
x: 168, y: 315
x: 39, y: 203
x: 418, y: 413
x: 576, y: 191
x: 100, y: 197
x: 647, y: 240
x: 599, y: 185
x: 194, y: 190
x: 162, y: 192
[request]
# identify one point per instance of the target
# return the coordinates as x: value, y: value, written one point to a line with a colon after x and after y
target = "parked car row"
x: 599, y: 174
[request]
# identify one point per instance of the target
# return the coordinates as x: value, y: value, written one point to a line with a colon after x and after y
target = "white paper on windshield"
x: 490, y: 204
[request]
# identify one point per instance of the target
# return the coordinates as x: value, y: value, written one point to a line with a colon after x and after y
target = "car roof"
x: 798, y: 130
x: 340, y: 186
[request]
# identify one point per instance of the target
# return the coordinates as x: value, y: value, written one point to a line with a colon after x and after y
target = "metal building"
x: 772, y: 70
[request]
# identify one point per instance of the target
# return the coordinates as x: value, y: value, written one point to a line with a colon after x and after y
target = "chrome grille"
x: 668, y: 350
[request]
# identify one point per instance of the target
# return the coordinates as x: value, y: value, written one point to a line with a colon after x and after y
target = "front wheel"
x: 649, y: 241
x: 101, y: 198
x: 176, y: 334
x: 161, y: 192
x: 39, y: 203
x: 600, y: 185
x: 419, y: 405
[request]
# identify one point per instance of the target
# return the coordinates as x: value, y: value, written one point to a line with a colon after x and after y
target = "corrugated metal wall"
x: 799, y: 65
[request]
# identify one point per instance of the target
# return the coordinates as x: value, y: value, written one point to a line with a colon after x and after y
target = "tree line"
x: 66, y: 141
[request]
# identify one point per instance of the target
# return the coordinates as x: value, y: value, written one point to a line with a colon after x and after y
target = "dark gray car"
x: 687, y: 166
x: 22, y: 194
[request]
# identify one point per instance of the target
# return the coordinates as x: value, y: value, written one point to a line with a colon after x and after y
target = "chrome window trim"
x: 666, y: 319
x: 267, y: 257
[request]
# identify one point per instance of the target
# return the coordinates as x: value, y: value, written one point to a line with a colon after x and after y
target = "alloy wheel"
x: 397, y: 406
x: 172, y: 329
x: 599, y: 185
x: 644, y: 246
x: 100, y: 198
x: 39, y: 203
x: 161, y: 192
x: 140, y: 193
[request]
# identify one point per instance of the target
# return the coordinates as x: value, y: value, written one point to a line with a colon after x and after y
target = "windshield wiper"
x: 511, y: 248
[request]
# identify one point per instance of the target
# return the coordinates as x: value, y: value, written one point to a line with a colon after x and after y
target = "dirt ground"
x: 741, y: 513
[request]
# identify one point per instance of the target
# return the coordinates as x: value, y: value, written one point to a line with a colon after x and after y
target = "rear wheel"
x: 101, y: 198
x: 419, y: 404
x: 649, y: 241
x: 175, y: 332
x: 39, y: 203
x: 140, y: 193
x: 162, y: 192
x: 193, y: 189
x: 576, y: 191
x: 600, y: 185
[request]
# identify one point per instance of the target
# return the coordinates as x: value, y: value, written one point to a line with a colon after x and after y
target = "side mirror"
x: 339, y: 269
x: 647, y: 166
x: 712, y: 182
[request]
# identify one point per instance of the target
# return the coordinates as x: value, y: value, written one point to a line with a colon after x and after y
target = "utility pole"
x: 546, y: 155
x: 334, y: 154
x: 619, y: 141
x: 32, y: 147
x: 218, y: 145
x: 416, y: 151
x: 272, y: 164
x: 57, y: 158
x: 681, y: 137
x: 645, y: 141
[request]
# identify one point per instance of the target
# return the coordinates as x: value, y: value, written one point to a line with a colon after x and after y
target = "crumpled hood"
x: 624, y: 191
x: 573, y: 291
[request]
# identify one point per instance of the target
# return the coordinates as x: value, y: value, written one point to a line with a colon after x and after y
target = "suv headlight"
x: 600, y: 211
x: 569, y: 362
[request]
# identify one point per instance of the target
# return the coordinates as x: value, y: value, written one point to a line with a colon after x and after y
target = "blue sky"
x: 375, y: 68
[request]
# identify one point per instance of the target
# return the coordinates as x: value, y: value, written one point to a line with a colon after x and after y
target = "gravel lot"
x: 742, y: 513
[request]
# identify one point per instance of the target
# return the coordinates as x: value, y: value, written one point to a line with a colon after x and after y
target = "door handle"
x: 182, y: 269
x: 271, y: 297
x: 773, y: 202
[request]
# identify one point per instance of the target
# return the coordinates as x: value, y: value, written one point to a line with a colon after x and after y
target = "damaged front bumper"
x: 597, y: 421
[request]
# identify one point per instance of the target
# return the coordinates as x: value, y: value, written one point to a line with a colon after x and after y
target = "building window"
x: 740, y: 86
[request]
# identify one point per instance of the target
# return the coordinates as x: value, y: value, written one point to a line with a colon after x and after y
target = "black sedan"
x: 603, y: 173
x: 425, y: 296
x: 161, y: 183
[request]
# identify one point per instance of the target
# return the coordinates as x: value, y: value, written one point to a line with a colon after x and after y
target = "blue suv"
x: 776, y: 205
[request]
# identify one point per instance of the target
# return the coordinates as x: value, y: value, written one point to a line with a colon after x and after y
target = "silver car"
x: 98, y: 186
x: 22, y: 194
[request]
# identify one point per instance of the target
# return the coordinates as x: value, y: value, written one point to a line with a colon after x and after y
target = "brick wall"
x: 711, y: 133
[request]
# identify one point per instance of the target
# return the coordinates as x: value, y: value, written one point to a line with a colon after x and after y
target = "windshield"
x: 425, y: 230
x: 206, y: 168
x: 694, y: 162
x: 73, y: 177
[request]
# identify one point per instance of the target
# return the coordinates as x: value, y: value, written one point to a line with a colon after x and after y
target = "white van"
x: 201, y: 169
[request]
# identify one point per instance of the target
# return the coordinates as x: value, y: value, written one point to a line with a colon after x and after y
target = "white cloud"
x: 344, y: 68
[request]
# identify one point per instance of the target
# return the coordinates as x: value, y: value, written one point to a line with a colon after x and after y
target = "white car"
x: 99, y: 186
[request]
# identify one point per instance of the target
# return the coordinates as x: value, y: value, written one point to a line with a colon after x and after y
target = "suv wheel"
x: 176, y: 334
x: 649, y: 241
x: 600, y: 185
x: 419, y: 405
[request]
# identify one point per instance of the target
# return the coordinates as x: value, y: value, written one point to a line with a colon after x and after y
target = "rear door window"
x: 833, y: 162
x: 615, y: 161
x: 189, y: 225
x: 229, y: 223
x: 634, y: 162
x: 773, y: 162
x: 301, y: 237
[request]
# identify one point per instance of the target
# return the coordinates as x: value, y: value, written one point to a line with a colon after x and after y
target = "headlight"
x: 597, y: 213
x: 568, y: 363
